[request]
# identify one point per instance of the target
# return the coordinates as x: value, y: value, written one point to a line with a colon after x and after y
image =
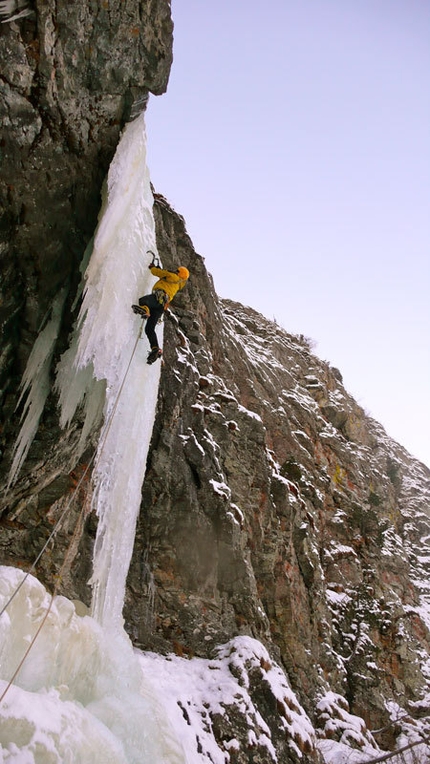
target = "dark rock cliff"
x: 272, y: 505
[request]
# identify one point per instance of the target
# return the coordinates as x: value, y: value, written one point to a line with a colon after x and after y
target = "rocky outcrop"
x: 274, y: 507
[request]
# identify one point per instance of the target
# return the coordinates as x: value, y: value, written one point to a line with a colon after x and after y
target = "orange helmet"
x: 183, y: 272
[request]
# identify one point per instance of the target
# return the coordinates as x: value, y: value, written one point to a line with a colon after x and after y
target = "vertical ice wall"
x: 106, y: 357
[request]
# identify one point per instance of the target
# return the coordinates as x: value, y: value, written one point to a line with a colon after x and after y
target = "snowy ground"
x: 84, y: 695
x: 80, y: 696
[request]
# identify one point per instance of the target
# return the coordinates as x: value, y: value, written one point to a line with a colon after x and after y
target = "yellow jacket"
x: 167, y: 281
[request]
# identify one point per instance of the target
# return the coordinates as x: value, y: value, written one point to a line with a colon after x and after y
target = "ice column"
x: 105, y: 343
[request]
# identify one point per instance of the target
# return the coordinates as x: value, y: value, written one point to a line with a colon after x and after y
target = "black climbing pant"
x: 156, y: 311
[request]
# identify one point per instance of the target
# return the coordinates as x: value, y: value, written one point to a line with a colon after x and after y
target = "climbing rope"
x: 58, y: 580
x: 103, y: 443
x: 50, y: 537
x: 57, y: 525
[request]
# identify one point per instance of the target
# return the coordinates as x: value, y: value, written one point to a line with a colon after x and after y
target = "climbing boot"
x: 153, y: 354
x: 141, y: 310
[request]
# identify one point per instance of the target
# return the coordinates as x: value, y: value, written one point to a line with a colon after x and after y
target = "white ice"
x: 35, y: 384
x: 108, y: 360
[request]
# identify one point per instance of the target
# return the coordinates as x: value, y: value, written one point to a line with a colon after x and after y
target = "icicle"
x: 36, y: 385
x: 148, y: 590
x: 8, y: 8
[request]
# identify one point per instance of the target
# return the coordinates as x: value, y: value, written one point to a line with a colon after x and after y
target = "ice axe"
x: 155, y: 259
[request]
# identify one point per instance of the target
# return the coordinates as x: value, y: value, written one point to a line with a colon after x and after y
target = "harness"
x: 162, y: 297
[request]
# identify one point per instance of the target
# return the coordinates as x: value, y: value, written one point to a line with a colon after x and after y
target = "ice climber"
x: 151, y: 306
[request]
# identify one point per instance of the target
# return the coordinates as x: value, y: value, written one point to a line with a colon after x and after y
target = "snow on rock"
x: 221, y: 489
x: 217, y: 696
x: 338, y: 724
x: 321, y: 543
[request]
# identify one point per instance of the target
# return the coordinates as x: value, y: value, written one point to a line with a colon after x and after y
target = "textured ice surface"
x: 80, y: 695
x: 106, y: 364
x: 35, y: 385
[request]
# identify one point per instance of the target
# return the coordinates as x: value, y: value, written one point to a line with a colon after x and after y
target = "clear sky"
x: 294, y: 139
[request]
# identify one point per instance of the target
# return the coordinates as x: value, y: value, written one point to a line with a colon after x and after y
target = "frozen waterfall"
x: 104, y: 346
x: 81, y: 694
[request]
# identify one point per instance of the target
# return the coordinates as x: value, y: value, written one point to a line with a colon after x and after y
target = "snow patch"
x: 198, y: 689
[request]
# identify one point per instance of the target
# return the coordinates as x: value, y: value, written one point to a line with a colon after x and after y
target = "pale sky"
x: 294, y: 139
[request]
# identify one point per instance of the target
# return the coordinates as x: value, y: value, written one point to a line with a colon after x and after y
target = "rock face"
x: 273, y: 508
